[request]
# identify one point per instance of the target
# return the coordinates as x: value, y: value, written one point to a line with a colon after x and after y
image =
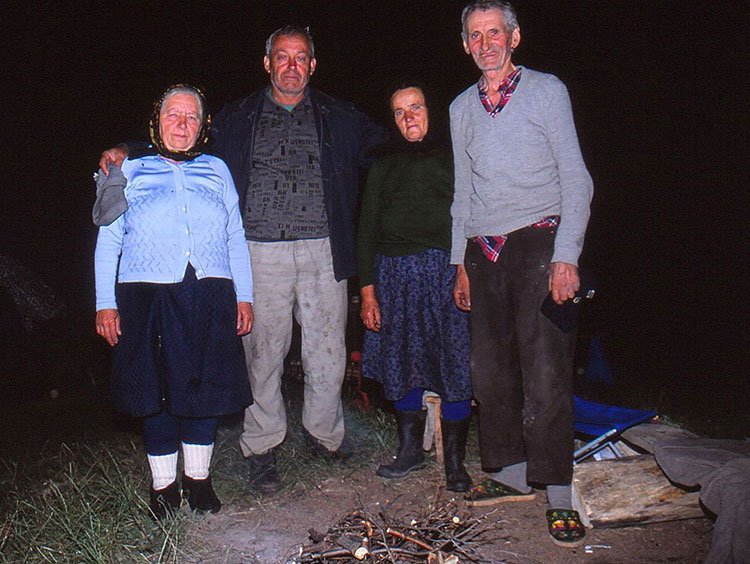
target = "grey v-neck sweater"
x: 519, y: 167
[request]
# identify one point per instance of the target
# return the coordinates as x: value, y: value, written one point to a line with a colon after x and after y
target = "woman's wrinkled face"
x: 180, y: 122
x: 410, y: 113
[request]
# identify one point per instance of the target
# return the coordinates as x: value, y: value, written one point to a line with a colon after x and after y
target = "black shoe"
x: 166, y: 501
x: 341, y: 454
x: 263, y: 473
x: 200, y: 494
x: 454, y: 450
x: 410, y: 455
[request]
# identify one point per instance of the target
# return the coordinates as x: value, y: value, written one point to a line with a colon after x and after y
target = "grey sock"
x: 560, y: 497
x: 513, y: 476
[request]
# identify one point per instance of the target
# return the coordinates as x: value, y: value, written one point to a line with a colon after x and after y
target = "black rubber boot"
x: 410, y: 454
x: 454, y: 450
x: 166, y: 501
x: 200, y: 494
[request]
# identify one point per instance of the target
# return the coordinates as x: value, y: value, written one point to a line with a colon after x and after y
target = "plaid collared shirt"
x: 507, y: 87
x: 493, y: 244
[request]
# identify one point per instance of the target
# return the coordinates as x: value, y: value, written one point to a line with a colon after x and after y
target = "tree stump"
x: 631, y: 491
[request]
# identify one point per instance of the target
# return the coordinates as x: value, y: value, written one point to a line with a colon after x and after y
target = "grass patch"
x: 82, y: 503
x: 81, y: 495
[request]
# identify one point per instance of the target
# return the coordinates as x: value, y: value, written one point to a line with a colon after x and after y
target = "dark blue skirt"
x: 179, y: 349
x: 424, y: 338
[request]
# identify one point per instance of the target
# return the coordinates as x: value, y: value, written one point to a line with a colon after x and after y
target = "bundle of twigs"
x: 440, y: 537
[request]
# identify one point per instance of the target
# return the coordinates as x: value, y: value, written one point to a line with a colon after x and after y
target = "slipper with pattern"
x: 565, y: 527
x: 490, y: 492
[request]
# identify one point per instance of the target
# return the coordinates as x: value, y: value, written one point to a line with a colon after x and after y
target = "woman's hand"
x: 244, y: 318
x: 461, y: 292
x: 108, y: 325
x: 370, y: 309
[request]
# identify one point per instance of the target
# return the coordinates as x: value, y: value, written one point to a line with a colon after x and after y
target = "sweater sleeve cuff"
x: 366, y: 279
x: 106, y: 304
x: 565, y: 255
x: 458, y: 252
x: 245, y: 298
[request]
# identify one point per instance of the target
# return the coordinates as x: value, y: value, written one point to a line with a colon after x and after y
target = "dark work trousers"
x: 521, y: 364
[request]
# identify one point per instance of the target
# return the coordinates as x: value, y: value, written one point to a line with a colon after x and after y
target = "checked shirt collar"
x: 506, y: 89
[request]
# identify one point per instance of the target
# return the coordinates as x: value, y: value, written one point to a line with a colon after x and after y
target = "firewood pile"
x: 443, y: 536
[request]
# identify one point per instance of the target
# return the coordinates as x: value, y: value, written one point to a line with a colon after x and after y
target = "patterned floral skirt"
x: 424, y: 338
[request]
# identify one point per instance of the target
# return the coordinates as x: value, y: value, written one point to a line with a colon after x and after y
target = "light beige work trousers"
x: 295, y: 278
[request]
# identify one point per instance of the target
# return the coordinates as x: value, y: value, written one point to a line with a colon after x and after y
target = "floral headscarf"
x: 201, y: 141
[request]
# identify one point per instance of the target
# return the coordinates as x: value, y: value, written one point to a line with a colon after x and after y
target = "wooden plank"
x: 647, y: 435
x: 631, y: 491
x: 435, y: 400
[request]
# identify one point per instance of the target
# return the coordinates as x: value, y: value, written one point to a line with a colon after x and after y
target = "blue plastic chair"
x: 605, y: 423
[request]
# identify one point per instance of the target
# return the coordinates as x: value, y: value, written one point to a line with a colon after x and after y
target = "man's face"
x: 488, y: 41
x: 290, y: 65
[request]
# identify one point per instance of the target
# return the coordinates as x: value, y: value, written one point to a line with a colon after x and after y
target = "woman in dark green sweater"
x: 416, y: 338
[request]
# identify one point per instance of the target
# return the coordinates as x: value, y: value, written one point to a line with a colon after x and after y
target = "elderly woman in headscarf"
x: 416, y: 338
x: 173, y: 295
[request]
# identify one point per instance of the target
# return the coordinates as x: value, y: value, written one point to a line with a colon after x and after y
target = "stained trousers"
x: 295, y: 278
x: 521, y: 364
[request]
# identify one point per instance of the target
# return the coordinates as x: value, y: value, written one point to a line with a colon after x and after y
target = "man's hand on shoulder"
x: 563, y: 281
x: 115, y: 155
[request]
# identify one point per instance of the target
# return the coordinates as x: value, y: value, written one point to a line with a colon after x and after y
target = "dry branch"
x: 435, y: 537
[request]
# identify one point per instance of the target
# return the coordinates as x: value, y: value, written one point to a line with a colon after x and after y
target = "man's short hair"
x: 509, y: 14
x: 290, y: 31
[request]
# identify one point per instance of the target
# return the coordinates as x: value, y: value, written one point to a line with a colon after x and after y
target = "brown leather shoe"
x: 263, y: 473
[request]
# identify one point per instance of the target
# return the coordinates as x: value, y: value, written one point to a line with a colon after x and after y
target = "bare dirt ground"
x: 273, y: 528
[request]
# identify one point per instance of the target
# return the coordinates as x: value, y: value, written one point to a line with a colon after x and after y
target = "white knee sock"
x: 163, y: 470
x: 513, y: 476
x: 197, y: 459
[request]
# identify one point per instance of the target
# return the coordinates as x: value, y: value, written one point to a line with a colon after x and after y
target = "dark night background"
x: 660, y: 105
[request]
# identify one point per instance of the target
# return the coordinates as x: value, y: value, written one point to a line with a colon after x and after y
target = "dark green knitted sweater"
x: 405, y: 209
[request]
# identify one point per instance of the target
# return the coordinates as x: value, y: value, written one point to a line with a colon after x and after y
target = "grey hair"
x: 509, y: 14
x: 183, y: 90
x: 290, y: 31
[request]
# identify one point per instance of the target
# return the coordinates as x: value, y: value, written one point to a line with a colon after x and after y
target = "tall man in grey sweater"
x: 520, y: 211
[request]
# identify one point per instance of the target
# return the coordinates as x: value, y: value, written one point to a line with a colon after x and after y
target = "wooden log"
x: 631, y: 491
x: 647, y: 435
x: 438, y: 438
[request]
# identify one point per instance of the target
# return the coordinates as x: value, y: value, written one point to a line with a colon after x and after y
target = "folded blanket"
x: 721, y: 468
